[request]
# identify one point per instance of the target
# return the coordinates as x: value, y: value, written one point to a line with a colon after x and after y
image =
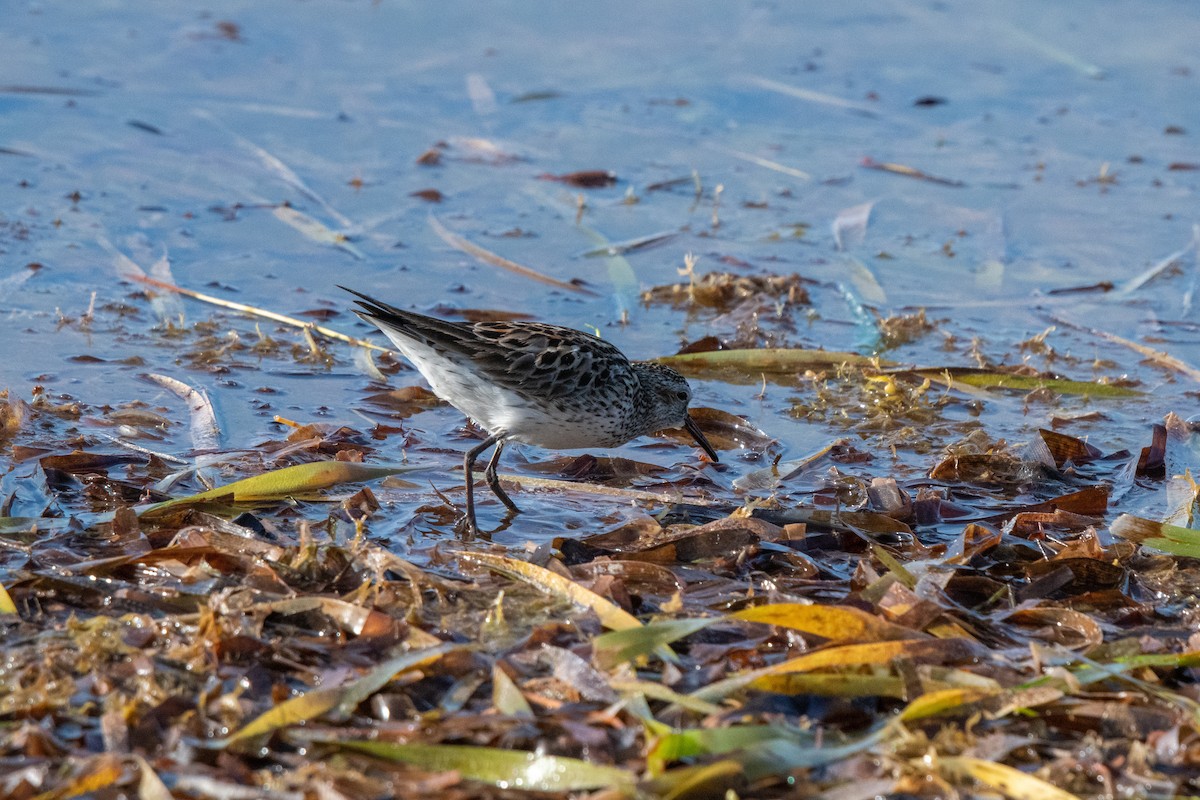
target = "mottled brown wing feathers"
x: 544, y: 361
x: 541, y: 361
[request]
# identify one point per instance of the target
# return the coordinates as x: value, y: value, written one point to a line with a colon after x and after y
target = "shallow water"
x: 1063, y: 140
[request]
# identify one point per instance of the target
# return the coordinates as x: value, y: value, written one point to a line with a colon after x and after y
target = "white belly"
x: 500, y: 410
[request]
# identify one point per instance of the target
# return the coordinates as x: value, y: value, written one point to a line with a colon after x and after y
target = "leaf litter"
x: 988, y: 622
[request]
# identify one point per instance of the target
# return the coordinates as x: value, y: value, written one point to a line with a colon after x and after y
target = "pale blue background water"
x: 1040, y: 102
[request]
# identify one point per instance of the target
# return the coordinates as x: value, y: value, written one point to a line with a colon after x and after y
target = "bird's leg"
x: 494, y: 482
x: 469, y: 476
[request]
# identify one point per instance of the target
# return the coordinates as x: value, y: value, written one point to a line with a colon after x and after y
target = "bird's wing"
x: 546, y: 361
x: 535, y: 360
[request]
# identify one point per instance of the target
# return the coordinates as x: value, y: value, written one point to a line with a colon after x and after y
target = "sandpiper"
x: 538, y: 384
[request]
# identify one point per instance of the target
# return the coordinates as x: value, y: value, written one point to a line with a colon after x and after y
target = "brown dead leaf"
x: 585, y: 179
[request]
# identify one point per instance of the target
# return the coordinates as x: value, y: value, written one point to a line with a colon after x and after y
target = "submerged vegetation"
x: 984, y: 619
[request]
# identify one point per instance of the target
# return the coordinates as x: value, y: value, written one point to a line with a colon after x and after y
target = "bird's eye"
x: 682, y: 395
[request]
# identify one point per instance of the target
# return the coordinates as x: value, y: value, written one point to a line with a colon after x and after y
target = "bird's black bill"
x: 691, y: 427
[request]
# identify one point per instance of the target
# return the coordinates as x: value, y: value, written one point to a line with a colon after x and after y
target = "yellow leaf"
x: 320, y: 701
x: 938, y: 702
x: 1010, y: 782
x: 309, y: 705
x: 701, y: 780
x: 282, y: 483
x: 853, y: 655
x: 104, y: 771
x: 839, y: 623
x: 825, y: 685
x: 505, y: 769
x: 611, y: 615
x: 506, y: 695
x: 7, y: 606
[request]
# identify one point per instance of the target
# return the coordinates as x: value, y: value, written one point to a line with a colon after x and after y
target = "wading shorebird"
x: 537, y: 384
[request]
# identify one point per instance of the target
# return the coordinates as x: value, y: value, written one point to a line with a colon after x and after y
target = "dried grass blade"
x: 1158, y: 357
x: 1088, y: 672
x: 1052, y: 51
x: 606, y: 248
x: 492, y: 259
x: 1135, y: 529
x: 256, y: 312
x: 315, y: 230
x: 809, y: 95
x: 953, y: 377
x: 167, y: 308
x: 202, y: 418
x: 202, y: 426
x: 769, y: 360
x: 282, y: 171
x: 1137, y: 282
x: 620, y: 271
x: 866, y: 524
x: 909, y: 172
x: 766, y: 163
